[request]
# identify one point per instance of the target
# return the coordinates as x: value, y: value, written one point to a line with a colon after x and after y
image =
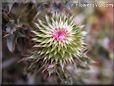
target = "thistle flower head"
x: 58, y: 38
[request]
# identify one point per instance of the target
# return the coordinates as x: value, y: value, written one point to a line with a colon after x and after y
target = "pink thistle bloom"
x: 59, y: 34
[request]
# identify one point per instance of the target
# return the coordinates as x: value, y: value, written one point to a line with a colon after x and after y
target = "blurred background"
x: 98, y: 21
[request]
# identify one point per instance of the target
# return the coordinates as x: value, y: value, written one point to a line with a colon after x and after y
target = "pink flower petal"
x: 60, y: 34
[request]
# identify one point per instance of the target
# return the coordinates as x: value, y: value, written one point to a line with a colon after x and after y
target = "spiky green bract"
x: 62, y: 51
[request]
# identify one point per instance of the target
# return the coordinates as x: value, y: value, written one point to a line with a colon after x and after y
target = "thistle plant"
x: 59, y: 42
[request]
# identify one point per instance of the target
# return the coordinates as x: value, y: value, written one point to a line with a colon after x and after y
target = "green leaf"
x: 11, y: 41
